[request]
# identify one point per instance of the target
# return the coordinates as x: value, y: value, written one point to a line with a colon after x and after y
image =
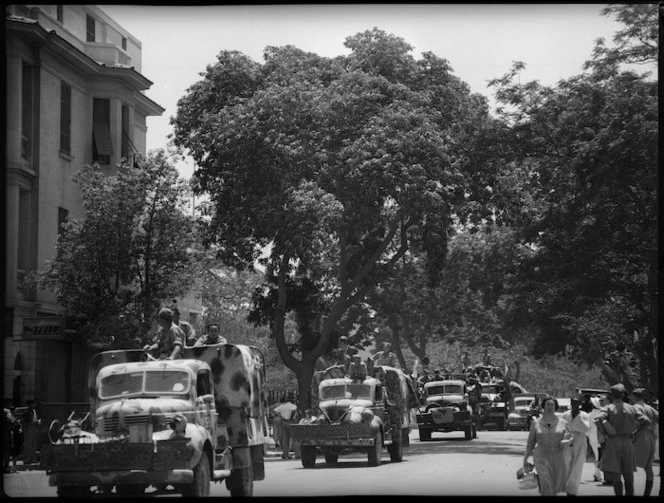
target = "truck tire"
x: 241, y: 482
x: 308, y: 453
x: 425, y: 434
x: 469, y: 432
x: 396, y: 449
x: 73, y: 492
x: 376, y: 452
x: 200, y: 486
x: 331, y: 458
x: 129, y: 489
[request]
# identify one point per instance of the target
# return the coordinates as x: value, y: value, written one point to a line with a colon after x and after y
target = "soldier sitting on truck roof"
x: 212, y: 337
x: 170, y: 337
x: 357, y: 368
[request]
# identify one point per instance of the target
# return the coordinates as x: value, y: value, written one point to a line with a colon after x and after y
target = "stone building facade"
x: 74, y: 96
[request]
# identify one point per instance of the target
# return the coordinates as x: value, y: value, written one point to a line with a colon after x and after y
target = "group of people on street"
x: 625, y: 439
x: 20, y: 436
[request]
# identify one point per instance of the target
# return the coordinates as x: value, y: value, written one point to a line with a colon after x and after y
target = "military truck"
x: 357, y: 414
x: 446, y: 409
x: 172, y: 426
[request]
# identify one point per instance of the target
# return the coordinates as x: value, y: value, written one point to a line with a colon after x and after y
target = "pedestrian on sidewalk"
x: 578, y: 425
x: 31, y: 424
x: 547, y: 438
x: 644, y: 438
x: 288, y: 413
x: 8, y: 425
x: 620, y: 420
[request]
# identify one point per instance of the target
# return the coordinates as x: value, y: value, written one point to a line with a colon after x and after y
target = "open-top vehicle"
x: 446, y: 409
x: 176, y: 425
x: 357, y: 414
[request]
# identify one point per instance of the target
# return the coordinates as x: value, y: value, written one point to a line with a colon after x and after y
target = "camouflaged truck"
x: 362, y: 414
x: 166, y: 426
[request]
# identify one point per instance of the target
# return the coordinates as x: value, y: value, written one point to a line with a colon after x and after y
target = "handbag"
x: 529, y: 480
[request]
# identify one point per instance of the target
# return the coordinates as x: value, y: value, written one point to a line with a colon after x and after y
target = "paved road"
x: 446, y: 465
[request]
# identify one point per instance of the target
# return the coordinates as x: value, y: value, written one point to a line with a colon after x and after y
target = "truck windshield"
x: 150, y: 382
x: 446, y: 389
x: 339, y: 391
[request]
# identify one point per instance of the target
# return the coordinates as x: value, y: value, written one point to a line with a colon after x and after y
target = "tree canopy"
x: 127, y: 254
x: 341, y: 166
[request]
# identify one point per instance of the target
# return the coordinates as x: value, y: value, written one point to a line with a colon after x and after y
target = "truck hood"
x: 144, y: 406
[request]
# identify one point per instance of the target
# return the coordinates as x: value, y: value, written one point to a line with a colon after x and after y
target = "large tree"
x: 339, y: 167
x: 590, y: 144
x: 127, y: 254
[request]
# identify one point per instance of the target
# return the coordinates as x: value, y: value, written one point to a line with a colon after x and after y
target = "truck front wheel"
x: 241, y: 482
x: 425, y: 434
x: 308, y: 455
x: 200, y: 486
x: 376, y: 452
x: 73, y: 492
x: 396, y: 449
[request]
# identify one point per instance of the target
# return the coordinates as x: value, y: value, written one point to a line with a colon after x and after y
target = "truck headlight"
x: 367, y: 415
x: 179, y: 423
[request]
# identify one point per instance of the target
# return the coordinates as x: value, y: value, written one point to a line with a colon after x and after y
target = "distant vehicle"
x: 517, y: 419
x: 446, y: 409
x: 564, y: 404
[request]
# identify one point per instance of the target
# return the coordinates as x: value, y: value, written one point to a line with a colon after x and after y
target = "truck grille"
x: 111, y: 424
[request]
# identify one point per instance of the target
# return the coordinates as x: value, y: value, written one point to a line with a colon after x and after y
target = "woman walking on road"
x: 578, y: 425
x: 548, y: 437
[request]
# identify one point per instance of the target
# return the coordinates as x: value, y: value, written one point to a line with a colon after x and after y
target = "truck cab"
x: 446, y: 408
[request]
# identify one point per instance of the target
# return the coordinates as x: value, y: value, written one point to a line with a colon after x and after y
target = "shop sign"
x: 42, y: 328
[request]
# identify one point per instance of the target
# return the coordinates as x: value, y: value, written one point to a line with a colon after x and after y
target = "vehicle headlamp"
x: 367, y: 415
x: 179, y: 423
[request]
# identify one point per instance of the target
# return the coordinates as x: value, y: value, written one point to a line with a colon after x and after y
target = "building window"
x: 102, y: 148
x: 23, y: 244
x: 63, y: 215
x: 125, y: 131
x: 89, y: 28
x: 26, y: 111
x: 124, y: 43
x: 65, y: 118
x: 60, y: 13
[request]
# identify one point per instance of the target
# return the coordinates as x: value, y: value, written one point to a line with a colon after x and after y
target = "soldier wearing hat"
x: 620, y: 420
x: 170, y: 337
x: 644, y: 438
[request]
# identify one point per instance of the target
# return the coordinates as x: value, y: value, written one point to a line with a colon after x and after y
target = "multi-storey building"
x: 74, y: 96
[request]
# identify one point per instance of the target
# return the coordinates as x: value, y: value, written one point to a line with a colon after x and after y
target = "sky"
x: 480, y: 41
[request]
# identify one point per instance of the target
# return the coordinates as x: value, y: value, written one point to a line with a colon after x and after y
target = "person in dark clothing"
x: 619, y: 421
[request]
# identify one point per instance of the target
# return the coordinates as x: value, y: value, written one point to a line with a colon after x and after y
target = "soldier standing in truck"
x: 170, y: 337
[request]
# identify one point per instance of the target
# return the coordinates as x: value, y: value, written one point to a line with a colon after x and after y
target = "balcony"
x: 108, y: 54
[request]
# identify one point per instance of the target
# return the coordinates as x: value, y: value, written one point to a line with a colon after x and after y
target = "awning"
x: 102, y: 136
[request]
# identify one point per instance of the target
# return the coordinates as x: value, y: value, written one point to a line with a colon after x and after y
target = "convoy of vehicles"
x: 176, y: 425
x: 357, y: 414
x: 446, y: 408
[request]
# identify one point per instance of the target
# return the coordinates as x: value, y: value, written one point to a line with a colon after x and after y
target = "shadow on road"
x: 483, y: 444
